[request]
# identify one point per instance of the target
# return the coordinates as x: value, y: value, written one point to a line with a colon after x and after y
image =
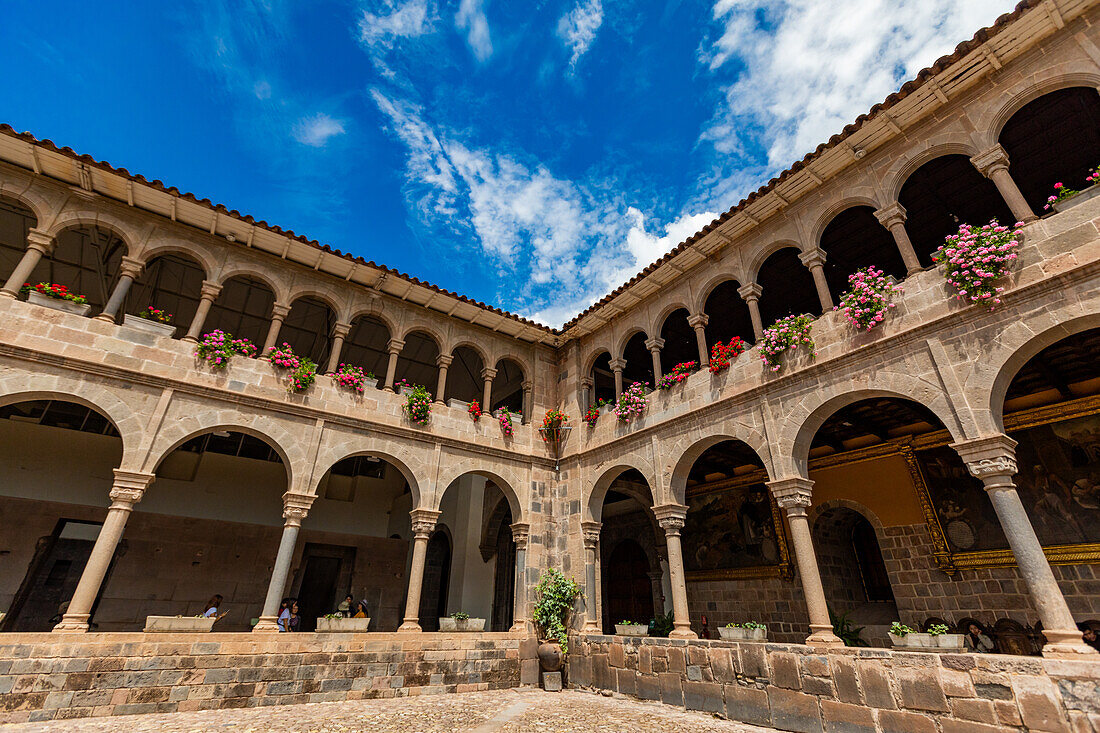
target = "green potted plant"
x: 555, y: 597
x: 942, y: 639
x: 152, y: 320
x: 899, y: 634
x: 335, y: 622
x: 461, y: 621
x: 631, y: 628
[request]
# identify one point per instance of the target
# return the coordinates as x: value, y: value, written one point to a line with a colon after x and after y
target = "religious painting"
x: 733, y: 528
x: 1058, y: 481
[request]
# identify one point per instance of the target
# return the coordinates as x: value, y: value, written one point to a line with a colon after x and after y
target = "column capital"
x: 210, y: 290
x: 38, y: 239
x: 588, y: 382
x: 670, y: 517
x: 992, y: 459
x: 444, y: 360
x: 813, y: 257
x: 699, y: 320
x: 591, y: 532
x: 891, y: 215
x: 341, y: 330
x: 488, y: 373
x: 129, y: 487
x: 296, y: 507
x: 792, y: 494
x: 617, y: 365
x: 991, y: 160
x: 279, y: 310
x: 131, y: 267
x: 655, y: 344
x: 527, y: 385
x: 423, y: 522
x: 750, y: 292
x: 521, y: 532
x: 394, y: 346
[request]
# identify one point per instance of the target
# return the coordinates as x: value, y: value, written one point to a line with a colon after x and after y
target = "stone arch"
x: 805, y: 418
x: 490, y: 533
x: 473, y: 346
x: 1055, y: 79
x: 708, y: 287
x: 357, y: 446
x: 757, y: 258
x: 76, y: 219
x: 23, y: 387
x: 895, y: 178
x: 657, y: 324
x: 687, y: 451
x: 1015, y: 346
x: 286, y: 443
x: 817, y: 509
x: 593, y: 504
x: 318, y: 294
x: 519, y: 361
x: 630, y: 333
x: 278, y: 288
x: 831, y: 212
x: 503, y: 477
x: 199, y: 255
x: 593, y: 356
x: 426, y: 330
x: 378, y: 314
x: 28, y: 198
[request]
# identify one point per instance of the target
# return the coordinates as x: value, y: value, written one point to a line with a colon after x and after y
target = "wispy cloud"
x: 471, y: 18
x: 316, y: 130
x: 409, y: 19
x: 805, y: 68
x: 578, y: 29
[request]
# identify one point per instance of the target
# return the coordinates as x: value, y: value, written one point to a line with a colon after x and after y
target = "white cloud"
x: 404, y: 20
x: 647, y: 248
x: 316, y: 130
x: 471, y: 18
x: 805, y: 68
x: 578, y: 28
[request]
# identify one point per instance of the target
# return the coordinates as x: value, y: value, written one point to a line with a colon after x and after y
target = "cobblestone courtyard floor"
x: 505, y: 711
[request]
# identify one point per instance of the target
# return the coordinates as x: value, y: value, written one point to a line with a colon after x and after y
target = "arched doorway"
x: 787, y: 287
x: 464, y: 380
x: 639, y: 362
x: 631, y: 577
x: 418, y: 362
x: 367, y: 347
x: 86, y: 259
x: 603, y: 380
x: 628, y: 587
x: 242, y: 309
x: 728, y: 315
x: 437, y: 575
x: 504, y: 570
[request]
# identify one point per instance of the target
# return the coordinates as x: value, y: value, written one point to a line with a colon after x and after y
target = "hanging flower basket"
x: 303, y: 372
x: 786, y: 334
x: 418, y: 404
x: 632, y: 402
x: 869, y: 298
x: 351, y: 377
x: 505, y: 420
x: 474, y: 409
x: 218, y: 347
x: 722, y: 354
x: 975, y: 260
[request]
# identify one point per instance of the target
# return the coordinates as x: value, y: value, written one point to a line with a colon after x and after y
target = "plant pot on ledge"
x: 66, y: 306
x: 343, y: 625
x: 1078, y: 198
x: 738, y: 634
x: 148, y: 325
x: 631, y: 630
x: 179, y: 624
x: 461, y: 624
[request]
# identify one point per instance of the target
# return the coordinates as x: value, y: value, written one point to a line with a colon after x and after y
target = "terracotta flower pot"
x: 550, y: 656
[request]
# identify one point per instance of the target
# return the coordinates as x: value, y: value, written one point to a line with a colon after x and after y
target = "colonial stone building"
x: 943, y: 467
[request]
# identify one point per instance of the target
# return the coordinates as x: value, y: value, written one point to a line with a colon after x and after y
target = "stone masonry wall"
x: 797, y: 688
x: 45, y: 676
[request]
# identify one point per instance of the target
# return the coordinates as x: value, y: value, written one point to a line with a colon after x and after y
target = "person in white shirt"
x: 212, y: 606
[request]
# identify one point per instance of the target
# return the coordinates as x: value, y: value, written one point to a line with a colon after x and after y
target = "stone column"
x: 394, y: 346
x: 127, y: 490
x: 278, y: 313
x: 520, y: 533
x: 793, y: 495
x: 750, y: 293
x: 423, y: 522
x: 699, y: 322
x: 617, y: 366
x: 38, y: 244
x: 671, y: 518
x: 210, y: 292
x: 528, y: 403
x: 588, y: 388
x: 893, y: 218
x: 129, y: 270
x: 295, y: 509
x: 815, y: 260
x: 655, y: 345
x: 993, y: 164
x: 993, y: 460
x: 487, y: 374
x: 340, y: 332
x: 591, y: 532
x: 443, y: 362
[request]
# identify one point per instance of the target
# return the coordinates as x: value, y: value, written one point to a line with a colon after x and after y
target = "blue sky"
x: 533, y: 155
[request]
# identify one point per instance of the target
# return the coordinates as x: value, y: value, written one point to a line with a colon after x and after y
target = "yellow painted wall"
x: 881, y: 485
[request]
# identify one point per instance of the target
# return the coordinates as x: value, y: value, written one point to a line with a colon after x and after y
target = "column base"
x: 189, y: 340
x: 1066, y: 644
x: 591, y: 628
x: 7, y: 294
x: 823, y: 637
x: 72, y: 623
x: 266, y: 624
x: 520, y: 625
x: 105, y: 318
x: 410, y: 627
x: 682, y: 632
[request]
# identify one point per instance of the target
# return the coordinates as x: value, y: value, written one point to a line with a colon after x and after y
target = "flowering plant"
x: 156, y: 314
x: 722, y: 354
x: 591, y: 415
x: 554, y: 418
x: 785, y: 334
x: 284, y: 356
x: 351, y: 377
x: 53, y: 290
x: 632, y: 402
x: 974, y: 259
x: 679, y: 373
x: 1061, y: 193
x: 869, y: 297
x: 217, y: 347
x: 505, y: 420
x: 475, y: 410
x: 303, y: 371
x: 1094, y: 177
x: 418, y: 404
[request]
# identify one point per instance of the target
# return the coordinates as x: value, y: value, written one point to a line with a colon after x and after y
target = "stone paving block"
x: 785, y: 671
x: 898, y: 721
x: 705, y: 696
x: 671, y: 690
x: 747, y: 704
x: 919, y: 689
x: 876, y: 686
x: 842, y: 717
x: 1040, y: 708
x: 794, y: 711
